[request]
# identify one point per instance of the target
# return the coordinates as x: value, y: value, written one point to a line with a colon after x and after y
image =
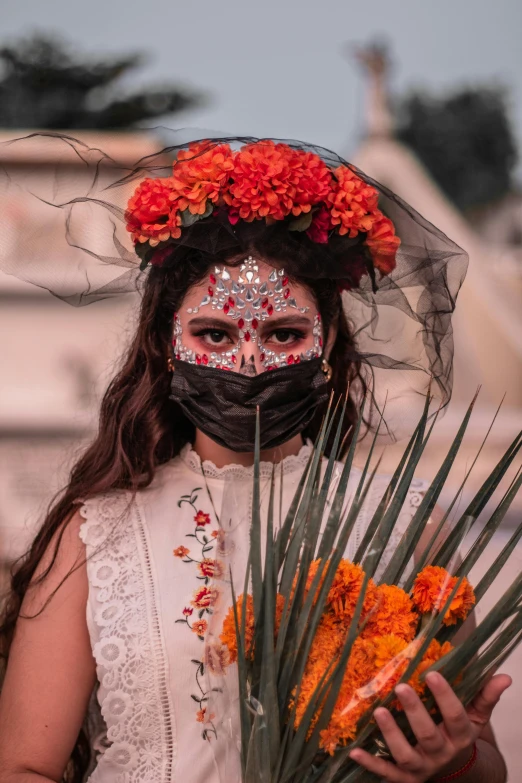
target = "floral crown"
x: 266, y: 181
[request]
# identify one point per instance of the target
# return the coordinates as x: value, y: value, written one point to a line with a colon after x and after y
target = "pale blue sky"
x: 275, y: 67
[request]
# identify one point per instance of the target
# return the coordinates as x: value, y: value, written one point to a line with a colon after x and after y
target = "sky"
x: 277, y: 67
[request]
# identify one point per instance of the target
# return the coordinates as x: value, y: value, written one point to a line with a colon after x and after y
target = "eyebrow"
x: 207, y: 322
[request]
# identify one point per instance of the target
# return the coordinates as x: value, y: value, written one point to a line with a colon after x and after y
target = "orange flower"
x: 392, y: 613
x: 200, y: 174
x: 204, y: 597
x: 312, y: 180
x: 383, y: 244
x: 152, y: 214
x: 228, y: 634
x: 202, y: 519
x: 434, y: 653
x: 353, y: 203
x: 201, y: 715
x: 181, y: 551
x: 211, y: 568
x: 345, y: 589
x: 432, y: 588
x: 199, y: 627
x: 264, y: 184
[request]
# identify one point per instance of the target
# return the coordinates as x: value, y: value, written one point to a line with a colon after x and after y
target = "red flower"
x: 200, y: 174
x: 199, y: 627
x: 353, y: 203
x: 204, y: 597
x: 211, y: 568
x: 181, y: 551
x: 202, y: 519
x: 320, y: 226
x: 187, y: 611
x: 152, y: 214
x: 383, y: 244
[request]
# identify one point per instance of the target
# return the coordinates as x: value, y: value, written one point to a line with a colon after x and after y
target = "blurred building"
x: 55, y: 360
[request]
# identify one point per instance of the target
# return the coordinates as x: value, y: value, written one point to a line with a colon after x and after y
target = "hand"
x: 447, y: 745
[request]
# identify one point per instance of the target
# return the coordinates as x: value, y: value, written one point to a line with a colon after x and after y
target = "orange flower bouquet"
x: 318, y: 642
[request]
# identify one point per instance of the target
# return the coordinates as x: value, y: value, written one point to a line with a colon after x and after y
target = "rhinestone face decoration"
x: 248, y: 301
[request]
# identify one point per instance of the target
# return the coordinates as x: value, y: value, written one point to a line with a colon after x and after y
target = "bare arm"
x: 51, y: 673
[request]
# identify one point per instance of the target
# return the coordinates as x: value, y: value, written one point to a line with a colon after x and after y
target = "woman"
x: 245, y: 246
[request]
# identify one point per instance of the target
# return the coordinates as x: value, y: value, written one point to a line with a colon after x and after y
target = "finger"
x: 379, y: 766
x: 454, y: 715
x: 428, y: 735
x: 485, y: 702
x: 404, y: 754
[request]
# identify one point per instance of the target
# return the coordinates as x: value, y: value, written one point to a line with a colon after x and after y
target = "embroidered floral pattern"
x: 204, y: 597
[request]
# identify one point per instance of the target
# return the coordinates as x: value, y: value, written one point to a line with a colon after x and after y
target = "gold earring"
x: 170, y: 366
x: 327, y: 369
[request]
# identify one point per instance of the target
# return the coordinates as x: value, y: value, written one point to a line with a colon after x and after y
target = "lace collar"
x: 289, y: 464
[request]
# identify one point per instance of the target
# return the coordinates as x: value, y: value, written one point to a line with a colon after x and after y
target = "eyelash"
x: 295, y: 333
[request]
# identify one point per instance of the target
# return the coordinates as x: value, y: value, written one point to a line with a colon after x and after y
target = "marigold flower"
x: 204, y: 597
x: 383, y: 244
x: 392, y: 613
x: 199, y: 627
x: 211, y: 568
x: 228, y: 634
x: 264, y: 182
x: 181, y: 551
x: 433, y: 587
x: 353, y: 203
x: 345, y: 589
x: 202, y: 519
x: 152, y: 213
x: 312, y: 180
x: 200, y: 174
x: 434, y: 653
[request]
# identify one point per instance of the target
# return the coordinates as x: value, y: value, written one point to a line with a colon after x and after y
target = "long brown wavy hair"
x: 141, y: 429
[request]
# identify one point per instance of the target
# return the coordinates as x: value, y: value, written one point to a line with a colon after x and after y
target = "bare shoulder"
x: 63, y: 562
x: 50, y: 672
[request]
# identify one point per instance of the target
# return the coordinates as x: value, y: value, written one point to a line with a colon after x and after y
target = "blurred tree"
x: 464, y: 140
x: 44, y: 86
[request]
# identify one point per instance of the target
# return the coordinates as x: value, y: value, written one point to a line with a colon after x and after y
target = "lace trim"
x: 207, y: 468
x: 127, y: 644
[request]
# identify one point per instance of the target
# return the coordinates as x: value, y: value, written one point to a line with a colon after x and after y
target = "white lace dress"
x: 150, y: 564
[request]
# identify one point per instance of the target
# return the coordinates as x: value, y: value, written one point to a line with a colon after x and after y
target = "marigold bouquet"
x: 320, y: 642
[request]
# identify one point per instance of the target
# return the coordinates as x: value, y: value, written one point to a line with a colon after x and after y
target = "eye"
x: 214, y: 337
x: 286, y: 336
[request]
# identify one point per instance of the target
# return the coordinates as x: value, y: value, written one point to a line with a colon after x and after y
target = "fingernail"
x: 434, y: 678
x: 355, y: 754
x: 381, y: 713
x: 404, y: 693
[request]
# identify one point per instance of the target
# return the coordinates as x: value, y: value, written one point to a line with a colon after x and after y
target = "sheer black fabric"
x: 78, y: 248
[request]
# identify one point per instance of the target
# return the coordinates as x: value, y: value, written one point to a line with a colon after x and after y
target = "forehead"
x: 249, y: 283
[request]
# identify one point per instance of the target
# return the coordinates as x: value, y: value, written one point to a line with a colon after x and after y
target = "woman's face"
x: 247, y: 318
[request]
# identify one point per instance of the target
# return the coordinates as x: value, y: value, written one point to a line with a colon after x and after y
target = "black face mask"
x: 223, y: 404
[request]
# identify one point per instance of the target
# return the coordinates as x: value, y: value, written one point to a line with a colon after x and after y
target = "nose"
x: 249, y: 359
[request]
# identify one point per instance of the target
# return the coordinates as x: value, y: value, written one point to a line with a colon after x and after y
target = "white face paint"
x: 253, y: 318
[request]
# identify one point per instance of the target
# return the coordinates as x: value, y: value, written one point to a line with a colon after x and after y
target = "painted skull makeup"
x: 248, y: 301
